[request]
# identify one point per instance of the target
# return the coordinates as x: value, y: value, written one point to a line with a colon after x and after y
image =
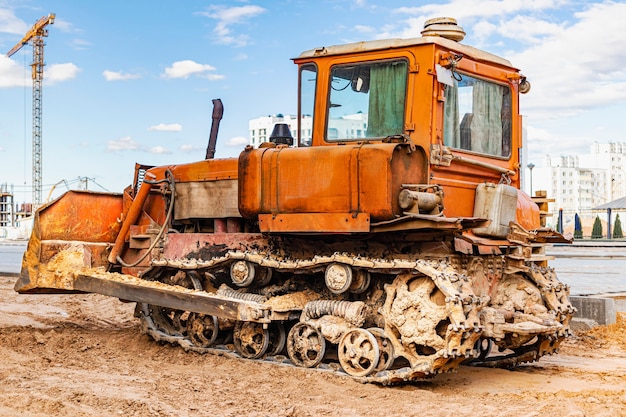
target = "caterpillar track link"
x: 388, y: 241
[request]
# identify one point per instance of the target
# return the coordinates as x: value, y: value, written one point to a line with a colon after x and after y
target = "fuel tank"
x: 299, y: 184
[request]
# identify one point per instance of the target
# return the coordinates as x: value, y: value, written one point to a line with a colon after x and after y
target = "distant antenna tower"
x: 36, y: 35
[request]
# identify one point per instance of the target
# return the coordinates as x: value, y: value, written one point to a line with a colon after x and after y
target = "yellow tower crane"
x: 36, y: 35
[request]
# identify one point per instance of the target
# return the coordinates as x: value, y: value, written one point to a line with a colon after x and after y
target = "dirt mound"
x: 610, y: 336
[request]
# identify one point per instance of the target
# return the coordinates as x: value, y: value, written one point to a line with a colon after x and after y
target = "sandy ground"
x: 84, y: 355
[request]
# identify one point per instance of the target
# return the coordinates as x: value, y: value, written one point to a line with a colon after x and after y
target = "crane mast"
x: 36, y: 35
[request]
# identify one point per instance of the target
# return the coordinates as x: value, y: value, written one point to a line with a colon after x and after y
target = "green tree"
x: 596, y: 232
x: 617, y: 229
x: 578, y: 227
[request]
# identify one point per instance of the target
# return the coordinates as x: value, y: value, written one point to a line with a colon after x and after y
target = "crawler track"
x: 429, y: 316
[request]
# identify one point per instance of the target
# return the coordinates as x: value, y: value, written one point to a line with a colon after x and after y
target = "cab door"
x: 477, y: 139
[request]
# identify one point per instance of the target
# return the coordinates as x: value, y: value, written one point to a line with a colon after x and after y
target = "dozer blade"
x: 77, y: 218
x: 67, y: 271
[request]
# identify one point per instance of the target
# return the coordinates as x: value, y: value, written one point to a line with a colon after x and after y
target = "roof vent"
x: 445, y: 27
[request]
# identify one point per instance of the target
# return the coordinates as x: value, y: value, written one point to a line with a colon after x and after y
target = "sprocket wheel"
x: 416, y: 311
x: 170, y: 321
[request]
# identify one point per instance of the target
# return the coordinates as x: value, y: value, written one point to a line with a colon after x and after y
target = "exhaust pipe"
x: 218, y: 112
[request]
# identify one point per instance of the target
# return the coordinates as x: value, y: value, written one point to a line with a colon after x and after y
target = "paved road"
x: 586, y: 269
x: 11, y: 256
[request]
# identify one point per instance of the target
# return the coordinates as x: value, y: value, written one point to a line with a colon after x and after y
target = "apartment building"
x: 579, y: 183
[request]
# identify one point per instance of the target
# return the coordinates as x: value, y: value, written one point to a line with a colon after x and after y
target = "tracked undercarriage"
x: 376, y: 316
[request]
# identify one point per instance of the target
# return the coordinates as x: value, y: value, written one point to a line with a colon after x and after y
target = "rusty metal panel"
x: 81, y: 216
x: 206, y: 200
x: 206, y: 170
x: 315, y: 181
x: 355, y: 178
x: 527, y: 212
x: 209, y: 245
x: 315, y: 222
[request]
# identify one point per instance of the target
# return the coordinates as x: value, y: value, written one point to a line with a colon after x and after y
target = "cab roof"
x: 383, y: 44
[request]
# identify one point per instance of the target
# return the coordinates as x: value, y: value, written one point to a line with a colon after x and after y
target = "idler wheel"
x: 305, y: 345
x: 251, y: 340
x: 358, y: 352
x: 169, y: 321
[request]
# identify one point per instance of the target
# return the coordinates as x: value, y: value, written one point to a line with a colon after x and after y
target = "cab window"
x: 477, y: 116
x: 308, y: 80
x: 366, y: 100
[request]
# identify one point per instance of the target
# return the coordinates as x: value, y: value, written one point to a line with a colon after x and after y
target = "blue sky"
x: 132, y: 81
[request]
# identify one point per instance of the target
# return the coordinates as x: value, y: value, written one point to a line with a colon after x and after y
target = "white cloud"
x: 213, y: 77
x: 482, y: 30
x: 60, y: 72
x: 162, y: 127
x: 119, y: 76
x: 159, y: 150
x: 12, y: 75
x: 1, y: 149
x: 125, y: 143
x: 64, y: 26
x: 483, y: 17
x: 364, y: 29
x: 227, y: 17
x: 463, y: 9
x: 528, y: 29
x: 189, y: 148
x: 541, y: 142
x: 579, y: 67
x: 9, y: 23
x: 237, y: 141
x: 187, y: 68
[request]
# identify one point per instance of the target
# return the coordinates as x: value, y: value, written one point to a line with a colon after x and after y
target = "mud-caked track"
x: 398, y: 319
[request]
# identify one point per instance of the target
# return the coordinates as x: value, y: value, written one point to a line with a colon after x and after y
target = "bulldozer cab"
x: 457, y: 104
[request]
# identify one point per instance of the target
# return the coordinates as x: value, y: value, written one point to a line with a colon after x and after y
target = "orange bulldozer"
x: 385, y: 237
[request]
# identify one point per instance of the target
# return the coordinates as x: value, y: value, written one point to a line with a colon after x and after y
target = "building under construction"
x: 10, y: 212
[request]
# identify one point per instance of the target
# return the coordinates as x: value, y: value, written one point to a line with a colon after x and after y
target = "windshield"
x: 477, y: 116
x: 367, y: 100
